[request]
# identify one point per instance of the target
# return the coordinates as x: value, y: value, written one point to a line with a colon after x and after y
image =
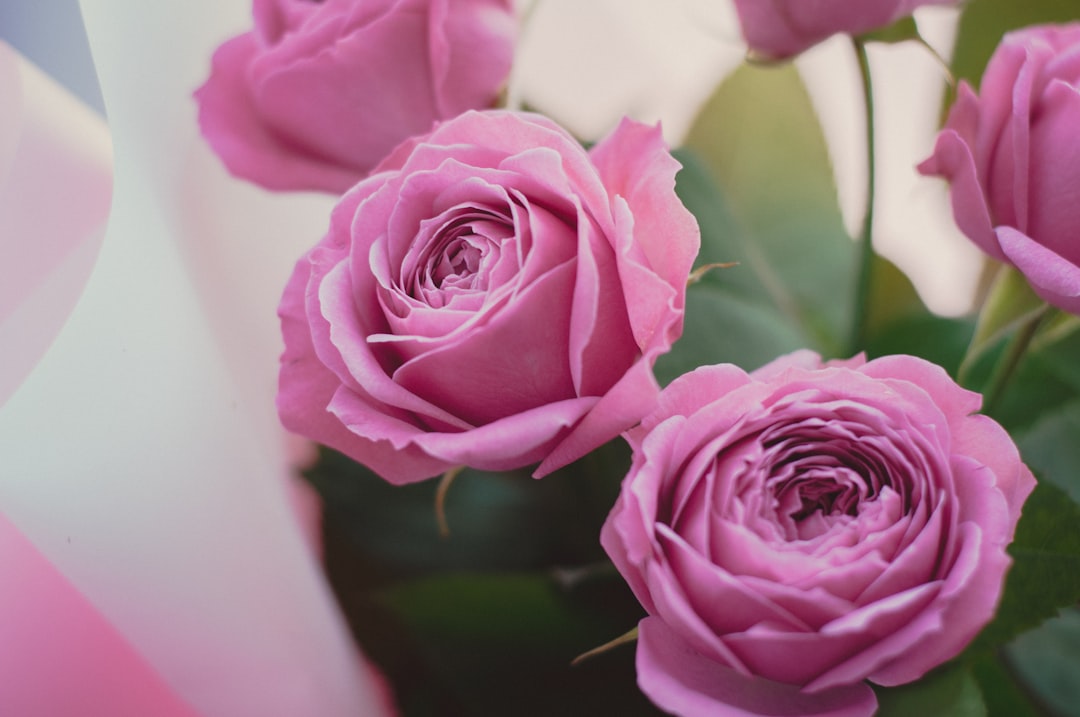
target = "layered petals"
x: 1010, y: 157
x: 492, y: 296
x: 778, y: 29
x: 796, y: 531
x: 316, y: 94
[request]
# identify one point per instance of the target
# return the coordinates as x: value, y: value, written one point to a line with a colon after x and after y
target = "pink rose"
x: 797, y: 530
x: 1012, y: 156
x: 782, y: 28
x: 319, y: 92
x: 491, y: 296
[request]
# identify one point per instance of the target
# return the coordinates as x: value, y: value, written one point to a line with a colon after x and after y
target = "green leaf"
x: 1045, y: 576
x: 899, y: 323
x: 935, y: 338
x: 900, y: 31
x: 1010, y: 303
x: 1048, y: 661
x: 950, y: 691
x: 498, y: 521
x: 1050, y: 448
x: 721, y: 326
x: 503, y: 644
x: 1046, y: 380
x: 760, y: 142
x: 892, y: 296
x: 1004, y: 697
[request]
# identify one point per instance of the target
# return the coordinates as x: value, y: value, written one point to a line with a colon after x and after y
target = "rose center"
x: 461, y: 257
x: 819, y: 485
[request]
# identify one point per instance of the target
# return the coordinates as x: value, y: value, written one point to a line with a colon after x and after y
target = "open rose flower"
x: 319, y: 92
x: 795, y: 531
x: 1012, y: 157
x: 783, y: 28
x: 492, y: 296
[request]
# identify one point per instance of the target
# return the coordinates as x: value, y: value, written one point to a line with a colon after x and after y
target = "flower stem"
x: 865, y: 238
x: 1009, y: 362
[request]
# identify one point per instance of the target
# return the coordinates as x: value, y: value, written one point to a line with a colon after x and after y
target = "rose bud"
x: 319, y: 92
x: 798, y: 530
x: 778, y: 29
x: 1012, y: 157
x: 492, y: 296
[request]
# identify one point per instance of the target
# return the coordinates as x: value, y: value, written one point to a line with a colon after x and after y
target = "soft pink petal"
x: 679, y: 680
x: 233, y: 127
x: 1052, y: 277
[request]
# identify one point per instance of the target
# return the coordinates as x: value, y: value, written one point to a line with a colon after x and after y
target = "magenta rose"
x: 778, y: 29
x: 1012, y: 157
x: 319, y: 92
x: 798, y: 530
x: 491, y: 296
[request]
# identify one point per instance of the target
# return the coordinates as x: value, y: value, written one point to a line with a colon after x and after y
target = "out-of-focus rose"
x: 1012, y: 157
x: 782, y: 28
x: 797, y: 530
x: 492, y: 296
x: 319, y: 92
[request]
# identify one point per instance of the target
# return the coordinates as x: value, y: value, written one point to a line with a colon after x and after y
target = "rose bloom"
x: 778, y: 29
x: 319, y: 92
x: 795, y: 531
x: 1012, y: 156
x: 492, y: 296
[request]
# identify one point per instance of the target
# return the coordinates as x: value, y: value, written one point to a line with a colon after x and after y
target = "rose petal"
x: 682, y: 682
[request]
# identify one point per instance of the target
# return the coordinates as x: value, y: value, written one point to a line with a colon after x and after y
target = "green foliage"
x: 950, y: 691
x: 1004, y: 697
x: 1045, y: 576
x: 1051, y: 448
x: 1047, y: 380
x: 1048, y: 659
x: 760, y: 142
x: 521, y: 574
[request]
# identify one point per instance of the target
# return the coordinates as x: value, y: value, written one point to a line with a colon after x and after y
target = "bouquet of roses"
x: 606, y: 427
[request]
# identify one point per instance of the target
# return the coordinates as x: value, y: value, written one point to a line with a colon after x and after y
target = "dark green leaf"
x: 723, y: 326
x: 1052, y: 450
x: 1004, y: 697
x: 950, y: 691
x: 498, y: 521
x: 935, y: 338
x: 1045, y: 576
x: 1048, y: 660
x: 1047, y: 379
x: 502, y: 644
